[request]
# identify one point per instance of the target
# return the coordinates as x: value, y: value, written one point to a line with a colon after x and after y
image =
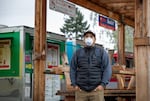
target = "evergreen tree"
x: 75, y: 25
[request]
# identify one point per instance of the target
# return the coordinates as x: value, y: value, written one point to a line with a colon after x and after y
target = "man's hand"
x: 77, y: 88
x: 99, y: 88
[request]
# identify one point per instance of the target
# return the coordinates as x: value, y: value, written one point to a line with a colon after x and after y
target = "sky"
x: 21, y: 12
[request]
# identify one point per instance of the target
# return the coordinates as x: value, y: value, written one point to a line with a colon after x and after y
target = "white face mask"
x: 88, y: 41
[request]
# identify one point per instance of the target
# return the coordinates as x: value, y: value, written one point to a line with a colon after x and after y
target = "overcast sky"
x: 14, y: 12
x: 21, y: 12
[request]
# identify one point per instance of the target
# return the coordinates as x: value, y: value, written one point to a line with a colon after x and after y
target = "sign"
x: 28, y: 62
x: 5, y: 54
x: 107, y: 22
x: 52, y: 58
x: 63, y: 7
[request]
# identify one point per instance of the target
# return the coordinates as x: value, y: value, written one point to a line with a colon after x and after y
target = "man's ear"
x: 94, y: 39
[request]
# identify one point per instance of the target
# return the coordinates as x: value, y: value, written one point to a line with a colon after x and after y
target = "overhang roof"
x: 120, y: 10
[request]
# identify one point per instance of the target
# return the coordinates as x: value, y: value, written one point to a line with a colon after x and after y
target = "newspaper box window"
x: 52, y: 55
x: 5, y: 54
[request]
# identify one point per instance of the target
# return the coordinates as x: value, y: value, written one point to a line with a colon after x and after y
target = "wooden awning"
x: 120, y: 10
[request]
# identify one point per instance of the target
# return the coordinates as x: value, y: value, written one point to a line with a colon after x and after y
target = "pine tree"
x: 75, y: 25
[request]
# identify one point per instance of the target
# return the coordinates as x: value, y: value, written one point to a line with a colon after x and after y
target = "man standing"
x: 90, y: 70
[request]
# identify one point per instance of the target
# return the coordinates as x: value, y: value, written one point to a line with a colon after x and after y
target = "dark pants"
x: 97, y: 95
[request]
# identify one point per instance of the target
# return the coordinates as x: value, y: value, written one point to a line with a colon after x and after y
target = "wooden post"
x: 142, y: 49
x: 39, y: 50
x: 121, y: 55
x: 121, y: 44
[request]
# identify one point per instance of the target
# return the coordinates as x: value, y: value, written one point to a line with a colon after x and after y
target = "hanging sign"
x: 63, y: 7
x: 107, y: 22
x: 5, y: 54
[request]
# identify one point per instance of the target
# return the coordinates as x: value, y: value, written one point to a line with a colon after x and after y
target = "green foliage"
x: 128, y: 39
x: 114, y: 39
x: 75, y: 25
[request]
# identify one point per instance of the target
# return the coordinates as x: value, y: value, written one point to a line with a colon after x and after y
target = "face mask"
x: 88, y: 41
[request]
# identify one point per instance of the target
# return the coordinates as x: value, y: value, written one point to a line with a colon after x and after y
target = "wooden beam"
x: 39, y: 50
x: 142, y: 41
x: 142, y: 49
x: 131, y: 83
x: 107, y: 92
x: 101, y: 10
x: 121, y: 4
x: 116, y: 1
x: 126, y: 11
x: 121, y: 81
x: 121, y: 44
